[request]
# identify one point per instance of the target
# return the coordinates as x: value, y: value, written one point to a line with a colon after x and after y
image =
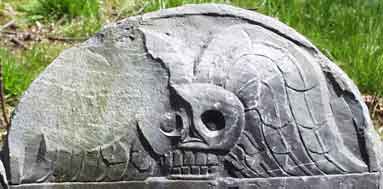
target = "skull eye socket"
x: 213, y: 119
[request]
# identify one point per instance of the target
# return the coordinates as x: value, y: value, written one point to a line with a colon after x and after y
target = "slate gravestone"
x: 199, y: 96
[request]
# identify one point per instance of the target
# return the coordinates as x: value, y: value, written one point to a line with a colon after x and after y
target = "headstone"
x: 199, y: 96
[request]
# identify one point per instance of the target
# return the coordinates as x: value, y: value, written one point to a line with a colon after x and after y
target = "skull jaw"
x: 196, y: 146
x: 209, y: 176
x: 192, y: 164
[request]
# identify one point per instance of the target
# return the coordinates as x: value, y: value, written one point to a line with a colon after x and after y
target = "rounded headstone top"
x: 193, y: 92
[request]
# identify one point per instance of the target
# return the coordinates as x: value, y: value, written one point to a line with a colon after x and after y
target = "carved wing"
x: 298, y: 122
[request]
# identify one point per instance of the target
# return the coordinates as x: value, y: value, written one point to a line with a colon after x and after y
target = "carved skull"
x: 203, y: 125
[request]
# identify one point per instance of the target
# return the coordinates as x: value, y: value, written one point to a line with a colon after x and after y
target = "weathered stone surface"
x: 199, y: 92
x: 351, y: 181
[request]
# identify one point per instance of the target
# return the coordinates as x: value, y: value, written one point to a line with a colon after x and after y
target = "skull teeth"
x: 181, y: 162
x: 194, y: 170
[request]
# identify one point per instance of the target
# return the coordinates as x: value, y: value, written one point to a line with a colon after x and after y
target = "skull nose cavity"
x: 179, y: 122
x: 213, y: 120
x: 172, y: 125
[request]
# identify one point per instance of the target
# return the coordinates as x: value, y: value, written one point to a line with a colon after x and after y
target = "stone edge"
x: 360, y: 180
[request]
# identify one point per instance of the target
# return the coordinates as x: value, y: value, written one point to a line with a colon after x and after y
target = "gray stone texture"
x: 191, y: 96
x: 350, y: 181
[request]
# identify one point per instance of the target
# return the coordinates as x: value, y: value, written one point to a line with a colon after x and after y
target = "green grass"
x: 350, y: 32
x: 52, y: 10
x: 21, y: 68
x: 79, y: 18
x: 79, y: 28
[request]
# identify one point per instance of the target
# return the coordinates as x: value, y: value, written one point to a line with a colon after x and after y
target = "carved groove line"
x: 306, y: 89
